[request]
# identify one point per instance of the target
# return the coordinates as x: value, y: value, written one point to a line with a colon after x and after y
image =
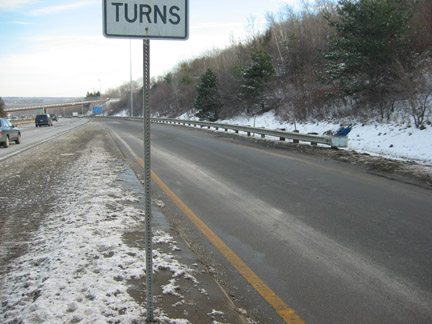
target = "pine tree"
x: 255, y: 78
x: 208, y: 99
x: 90, y: 95
x: 370, y: 39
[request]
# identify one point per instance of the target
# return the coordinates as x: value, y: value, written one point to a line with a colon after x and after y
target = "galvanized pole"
x: 147, y: 184
x: 130, y: 70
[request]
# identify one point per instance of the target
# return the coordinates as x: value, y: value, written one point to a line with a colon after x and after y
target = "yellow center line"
x: 284, y: 311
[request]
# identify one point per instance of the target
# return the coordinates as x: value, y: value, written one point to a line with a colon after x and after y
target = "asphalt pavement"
x: 337, y: 243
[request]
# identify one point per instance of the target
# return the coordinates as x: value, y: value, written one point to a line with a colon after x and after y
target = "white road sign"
x: 153, y: 19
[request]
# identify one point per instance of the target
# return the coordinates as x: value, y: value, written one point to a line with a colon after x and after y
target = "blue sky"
x: 57, y: 48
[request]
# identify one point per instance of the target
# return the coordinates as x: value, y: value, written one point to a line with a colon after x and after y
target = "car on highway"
x: 54, y: 117
x: 43, y: 119
x: 9, y: 133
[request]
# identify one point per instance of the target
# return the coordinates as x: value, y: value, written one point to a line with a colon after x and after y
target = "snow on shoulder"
x: 77, y: 266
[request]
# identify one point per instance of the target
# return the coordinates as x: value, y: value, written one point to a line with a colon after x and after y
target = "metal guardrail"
x: 333, y: 141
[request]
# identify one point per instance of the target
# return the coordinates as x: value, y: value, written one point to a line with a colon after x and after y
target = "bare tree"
x: 420, y: 107
x: 2, y: 106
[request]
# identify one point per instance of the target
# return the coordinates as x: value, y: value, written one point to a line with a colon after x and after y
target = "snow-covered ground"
x: 77, y: 265
x: 395, y: 141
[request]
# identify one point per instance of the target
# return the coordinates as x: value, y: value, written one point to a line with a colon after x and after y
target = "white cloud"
x: 15, y: 23
x: 67, y: 65
x: 8, y: 5
x: 216, y: 26
x: 59, y: 8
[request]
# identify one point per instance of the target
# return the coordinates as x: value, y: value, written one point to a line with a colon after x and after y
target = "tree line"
x: 92, y: 95
x: 363, y: 58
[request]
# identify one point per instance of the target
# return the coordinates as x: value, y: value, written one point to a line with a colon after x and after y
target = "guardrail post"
x: 282, y: 138
x: 313, y: 143
x: 295, y: 141
x: 262, y: 135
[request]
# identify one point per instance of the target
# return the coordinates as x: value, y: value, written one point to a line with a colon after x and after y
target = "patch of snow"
x: 123, y: 113
x: 160, y: 237
x: 77, y: 265
x: 171, y: 289
x: 215, y: 312
x: 190, y: 115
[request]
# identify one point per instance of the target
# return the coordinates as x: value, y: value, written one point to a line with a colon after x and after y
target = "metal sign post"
x: 146, y: 19
x: 147, y: 181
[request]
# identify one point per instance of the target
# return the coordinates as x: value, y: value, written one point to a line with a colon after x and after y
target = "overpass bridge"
x: 64, y: 108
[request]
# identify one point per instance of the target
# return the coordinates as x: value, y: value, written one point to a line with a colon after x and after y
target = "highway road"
x: 336, y: 244
x: 332, y: 243
x: 32, y: 136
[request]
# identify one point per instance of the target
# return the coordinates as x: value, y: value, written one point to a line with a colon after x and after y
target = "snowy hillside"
x: 388, y: 140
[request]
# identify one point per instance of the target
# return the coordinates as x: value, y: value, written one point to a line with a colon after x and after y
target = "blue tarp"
x: 343, y: 131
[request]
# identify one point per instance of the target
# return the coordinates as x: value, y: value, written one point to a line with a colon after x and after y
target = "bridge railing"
x: 56, y: 105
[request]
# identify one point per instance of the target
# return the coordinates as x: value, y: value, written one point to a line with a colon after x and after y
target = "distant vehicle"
x: 8, y: 133
x: 54, y: 117
x: 75, y: 114
x: 43, y: 119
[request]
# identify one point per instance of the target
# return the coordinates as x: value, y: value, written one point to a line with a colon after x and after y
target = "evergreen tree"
x: 2, y: 106
x: 370, y: 40
x: 90, y: 95
x: 255, y: 78
x: 208, y: 100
